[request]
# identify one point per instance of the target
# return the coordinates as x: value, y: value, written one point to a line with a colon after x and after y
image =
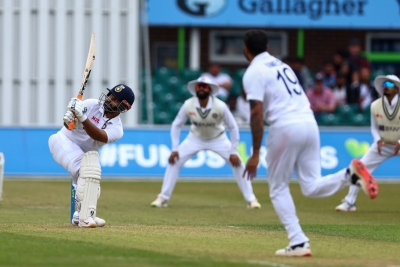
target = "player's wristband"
x: 83, y: 118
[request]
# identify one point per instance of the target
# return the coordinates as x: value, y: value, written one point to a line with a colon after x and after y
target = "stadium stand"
x: 169, y: 92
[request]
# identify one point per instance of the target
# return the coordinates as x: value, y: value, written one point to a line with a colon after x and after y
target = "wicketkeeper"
x: 97, y: 123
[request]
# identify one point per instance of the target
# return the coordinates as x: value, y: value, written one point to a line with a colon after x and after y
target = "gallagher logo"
x: 202, y: 8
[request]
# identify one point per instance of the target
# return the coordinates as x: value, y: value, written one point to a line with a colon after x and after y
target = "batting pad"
x: 88, y: 188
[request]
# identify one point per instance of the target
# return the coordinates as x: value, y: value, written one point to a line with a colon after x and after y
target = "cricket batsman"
x: 97, y: 122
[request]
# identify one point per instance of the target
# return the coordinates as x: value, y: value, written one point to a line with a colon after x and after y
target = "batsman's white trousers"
x: 371, y: 160
x: 66, y: 153
x: 296, y: 148
x: 188, y: 148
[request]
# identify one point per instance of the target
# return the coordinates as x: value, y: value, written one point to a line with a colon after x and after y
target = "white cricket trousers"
x: 371, y: 160
x: 66, y: 153
x: 296, y: 148
x: 188, y: 148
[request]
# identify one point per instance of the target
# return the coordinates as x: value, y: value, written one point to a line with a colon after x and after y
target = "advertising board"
x: 276, y: 13
x: 144, y: 153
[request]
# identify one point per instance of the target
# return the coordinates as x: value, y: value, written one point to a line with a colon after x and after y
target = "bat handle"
x: 72, y: 123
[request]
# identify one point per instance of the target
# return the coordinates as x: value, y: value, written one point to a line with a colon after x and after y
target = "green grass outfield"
x: 206, y: 224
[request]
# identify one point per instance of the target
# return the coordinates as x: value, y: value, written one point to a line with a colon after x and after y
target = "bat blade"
x: 86, y: 73
x: 89, y: 64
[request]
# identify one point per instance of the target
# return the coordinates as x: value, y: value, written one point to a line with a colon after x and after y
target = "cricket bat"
x: 86, y: 73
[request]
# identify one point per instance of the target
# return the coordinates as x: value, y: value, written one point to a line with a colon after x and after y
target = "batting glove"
x: 78, y: 108
x: 68, y: 117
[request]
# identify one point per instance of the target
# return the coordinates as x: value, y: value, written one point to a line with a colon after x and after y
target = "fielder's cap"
x: 354, y: 41
x: 318, y: 77
x: 382, y: 78
x: 124, y: 94
x: 192, y: 85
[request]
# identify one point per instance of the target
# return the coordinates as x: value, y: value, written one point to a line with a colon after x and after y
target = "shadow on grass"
x: 25, y: 250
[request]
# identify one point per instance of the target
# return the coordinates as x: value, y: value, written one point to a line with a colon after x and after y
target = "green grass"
x: 206, y: 224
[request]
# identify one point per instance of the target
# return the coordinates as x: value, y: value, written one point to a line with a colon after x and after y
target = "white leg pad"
x: 88, y: 189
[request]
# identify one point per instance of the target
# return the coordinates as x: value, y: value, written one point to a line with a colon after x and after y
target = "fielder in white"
x: 208, y: 115
x: 293, y: 145
x: 97, y: 123
x: 385, y: 129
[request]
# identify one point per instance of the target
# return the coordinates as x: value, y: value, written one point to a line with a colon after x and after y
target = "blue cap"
x: 124, y: 94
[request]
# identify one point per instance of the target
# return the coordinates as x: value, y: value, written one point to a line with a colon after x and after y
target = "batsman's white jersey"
x: 68, y: 147
x: 207, y: 132
x: 381, y: 128
x: 293, y: 140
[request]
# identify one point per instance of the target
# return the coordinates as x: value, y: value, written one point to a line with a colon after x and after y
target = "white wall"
x: 43, y: 50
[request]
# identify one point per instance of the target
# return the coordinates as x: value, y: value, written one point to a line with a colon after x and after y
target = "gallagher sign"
x: 277, y: 13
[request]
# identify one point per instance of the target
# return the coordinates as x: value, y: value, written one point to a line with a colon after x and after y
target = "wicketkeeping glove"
x: 78, y: 108
x: 68, y: 117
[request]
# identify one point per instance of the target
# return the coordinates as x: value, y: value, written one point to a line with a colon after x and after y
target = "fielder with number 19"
x: 276, y: 96
x: 97, y: 123
x: 208, y: 115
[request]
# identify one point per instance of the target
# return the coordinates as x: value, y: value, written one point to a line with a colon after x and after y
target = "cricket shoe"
x: 99, y: 222
x: 159, y: 203
x: 359, y: 175
x: 301, y: 250
x: 346, y: 207
x: 75, y: 220
x: 253, y: 204
x: 88, y: 223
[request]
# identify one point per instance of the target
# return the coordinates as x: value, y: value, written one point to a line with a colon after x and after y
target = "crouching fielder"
x: 385, y: 112
x: 208, y: 115
x: 97, y: 123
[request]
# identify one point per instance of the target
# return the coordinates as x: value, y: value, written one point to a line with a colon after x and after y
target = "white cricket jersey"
x: 207, y: 123
x: 273, y: 82
x: 385, y: 125
x: 95, y: 113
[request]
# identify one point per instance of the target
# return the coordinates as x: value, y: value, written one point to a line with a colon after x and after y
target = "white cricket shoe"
x: 302, y: 250
x: 75, y: 220
x: 254, y: 204
x: 359, y: 175
x: 88, y: 223
x: 159, y: 203
x: 346, y: 207
x: 99, y: 222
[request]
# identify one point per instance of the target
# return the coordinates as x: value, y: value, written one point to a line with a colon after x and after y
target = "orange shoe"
x: 362, y: 177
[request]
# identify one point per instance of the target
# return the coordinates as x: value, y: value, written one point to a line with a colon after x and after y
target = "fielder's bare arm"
x: 257, y: 132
